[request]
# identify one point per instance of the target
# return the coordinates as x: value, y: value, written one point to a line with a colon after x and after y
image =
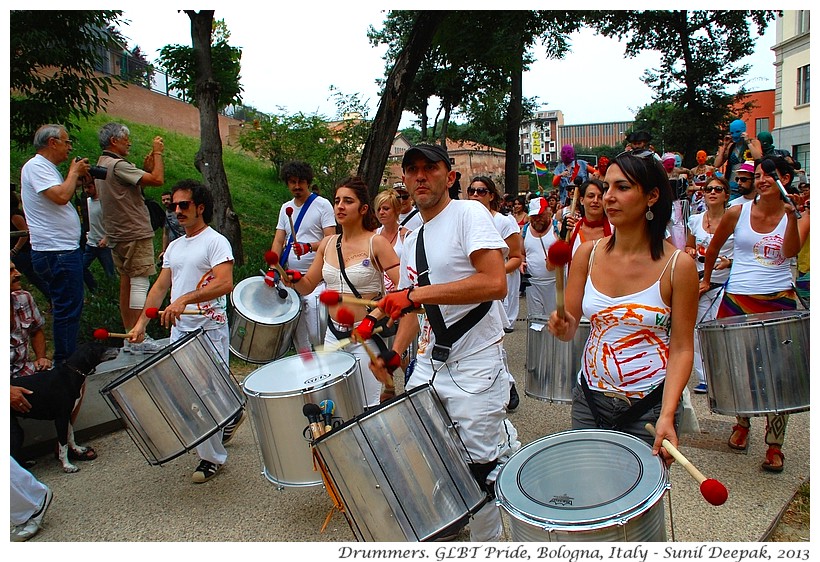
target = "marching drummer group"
x: 448, y: 297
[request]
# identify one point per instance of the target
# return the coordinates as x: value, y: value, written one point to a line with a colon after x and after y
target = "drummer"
x: 198, y: 269
x: 766, y: 236
x: 353, y: 263
x: 638, y: 357
x: 465, y: 254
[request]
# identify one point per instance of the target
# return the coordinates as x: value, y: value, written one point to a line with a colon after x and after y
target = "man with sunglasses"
x: 127, y: 221
x: 409, y: 216
x: 198, y: 270
x: 745, y: 178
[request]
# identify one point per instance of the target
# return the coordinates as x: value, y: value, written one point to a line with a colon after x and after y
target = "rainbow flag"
x: 540, y: 167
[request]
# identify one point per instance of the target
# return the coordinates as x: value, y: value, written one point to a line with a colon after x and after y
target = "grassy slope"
x: 257, y: 195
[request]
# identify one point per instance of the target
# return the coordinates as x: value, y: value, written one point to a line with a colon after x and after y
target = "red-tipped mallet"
x: 272, y: 259
x: 712, y: 490
x: 559, y: 254
x: 103, y: 334
x: 330, y: 298
x: 344, y: 316
x: 289, y: 213
x: 155, y: 312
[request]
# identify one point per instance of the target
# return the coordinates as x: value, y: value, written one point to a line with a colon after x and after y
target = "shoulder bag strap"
x: 284, y: 258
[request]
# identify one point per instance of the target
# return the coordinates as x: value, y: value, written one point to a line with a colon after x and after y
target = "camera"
x: 98, y: 172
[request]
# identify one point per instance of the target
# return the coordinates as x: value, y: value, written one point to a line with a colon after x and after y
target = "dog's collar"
x: 77, y: 371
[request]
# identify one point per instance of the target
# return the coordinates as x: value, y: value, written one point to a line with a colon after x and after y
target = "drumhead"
x: 745, y: 320
x: 295, y: 375
x: 259, y: 303
x: 581, y: 479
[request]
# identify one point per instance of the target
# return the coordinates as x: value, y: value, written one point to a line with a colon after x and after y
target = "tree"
x: 54, y: 56
x: 700, y: 52
x: 208, y: 93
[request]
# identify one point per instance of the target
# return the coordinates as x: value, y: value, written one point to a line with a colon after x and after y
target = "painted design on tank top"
x: 208, y: 308
x: 767, y: 251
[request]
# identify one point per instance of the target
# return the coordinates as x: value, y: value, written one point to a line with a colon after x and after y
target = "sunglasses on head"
x: 182, y: 205
x: 711, y: 188
x: 481, y: 191
x: 642, y: 153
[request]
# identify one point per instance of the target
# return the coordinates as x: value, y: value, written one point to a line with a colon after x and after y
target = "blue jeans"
x: 63, y: 271
x: 104, y: 256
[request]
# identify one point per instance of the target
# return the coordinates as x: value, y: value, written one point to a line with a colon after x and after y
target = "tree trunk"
x: 208, y: 159
x: 513, y: 124
x: 396, y: 89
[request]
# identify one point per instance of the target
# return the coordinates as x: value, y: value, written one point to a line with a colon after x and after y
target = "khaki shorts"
x: 135, y: 258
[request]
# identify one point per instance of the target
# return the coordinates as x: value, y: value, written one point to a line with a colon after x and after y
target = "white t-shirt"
x: 739, y: 201
x: 506, y: 225
x: 96, y: 232
x: 535, y: 250
x: 702, y: 240
x: 191, y: 261
x: 415, y: 221
x: 317, y: 217
x: 52, y: 227
x: 462, y: 228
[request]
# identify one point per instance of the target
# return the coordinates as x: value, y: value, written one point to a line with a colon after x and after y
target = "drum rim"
x: 652, y: 498
x: 259, y: 319
x: 756, y: 319
x: 304, y: 389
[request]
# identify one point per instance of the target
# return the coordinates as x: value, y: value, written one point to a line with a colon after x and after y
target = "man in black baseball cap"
x: 433, y: 153
x: 639, y: 139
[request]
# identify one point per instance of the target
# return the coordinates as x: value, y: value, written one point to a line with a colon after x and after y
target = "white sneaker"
x: 25, y: 531
x: 149, y: 345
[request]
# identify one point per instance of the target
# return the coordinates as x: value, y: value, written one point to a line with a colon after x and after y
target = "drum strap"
x: 637, y: 409
x: 445, y: 336
x: 480, y: 472
x: 283, y: 260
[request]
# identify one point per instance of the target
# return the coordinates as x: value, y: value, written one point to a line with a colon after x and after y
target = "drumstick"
x: 712, y: 490
x: 345, y: 341
x: 289, y: 213
x: 272, y: 258
x: 559, y: 253
x: 103, y: 334
x: 329, y: 298
x: 155, y: 312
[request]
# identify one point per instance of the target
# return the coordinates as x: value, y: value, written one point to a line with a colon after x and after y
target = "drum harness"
x: 284, y: 259
x: 445, y: 338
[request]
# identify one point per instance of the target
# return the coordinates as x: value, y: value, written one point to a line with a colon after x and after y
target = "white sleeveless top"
x: 759, y: 266
x: 628, y: 347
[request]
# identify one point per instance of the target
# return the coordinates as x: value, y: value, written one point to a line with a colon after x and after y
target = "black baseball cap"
x: 432, y: 152
x: 638, y: 136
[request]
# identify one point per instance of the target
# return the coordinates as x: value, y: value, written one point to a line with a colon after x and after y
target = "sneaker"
x: 205, y: 471
x: 701, y: 388
x: 25, y: 531
x: 229, y: 431
x: 514, y: 399
x: 149, y: 345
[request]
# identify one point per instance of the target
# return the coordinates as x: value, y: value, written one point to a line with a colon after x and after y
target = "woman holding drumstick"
x: 640, y: 295
x: 353, y: 262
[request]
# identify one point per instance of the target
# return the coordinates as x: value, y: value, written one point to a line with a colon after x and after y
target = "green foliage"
x: 53, y: 59
x: 179, y: 62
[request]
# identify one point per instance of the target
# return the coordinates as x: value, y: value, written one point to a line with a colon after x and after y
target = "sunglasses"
x: 182, y: 205
x: 481, y: 191
x: 403, y: 196
x: 742, y: 179
x: 712, y: 188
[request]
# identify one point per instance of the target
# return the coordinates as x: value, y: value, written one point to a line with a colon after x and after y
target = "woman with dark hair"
x: 593, y: 223
x: 702, y: 228
x: 353, y: 263
x: 519, y: 211
x: 21, y: 247
x: 640, y: 295
x: 759, y: 281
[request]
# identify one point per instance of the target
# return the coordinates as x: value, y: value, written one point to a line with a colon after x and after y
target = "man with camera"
x: 127, y: 221
x: 54, y: 231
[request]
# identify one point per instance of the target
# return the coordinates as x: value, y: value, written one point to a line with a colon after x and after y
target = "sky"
x: 291, y: 57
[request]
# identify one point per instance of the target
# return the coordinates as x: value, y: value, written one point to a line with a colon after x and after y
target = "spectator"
x: 21, y: 247
x: 30, y: 499
x: 172, y: 229
x: 96, y: 245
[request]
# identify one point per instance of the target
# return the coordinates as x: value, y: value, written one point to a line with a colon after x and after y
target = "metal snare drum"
x: 757, y: 364
x: 552, y: 364
x: 262, y: 323
x: 584, y: 485
x: 400, y: 470
x: 276, y: 395
x: 175, y: 399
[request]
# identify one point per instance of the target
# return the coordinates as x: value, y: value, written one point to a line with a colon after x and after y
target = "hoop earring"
x: 649, y: 214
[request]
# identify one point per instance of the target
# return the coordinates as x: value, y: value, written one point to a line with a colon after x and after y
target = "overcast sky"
x: 292, y: 56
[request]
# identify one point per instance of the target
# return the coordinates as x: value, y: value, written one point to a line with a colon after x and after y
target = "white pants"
x: 212, y: 449
x: 540, y: 299
x: 306, y: 334
x: 27, y: 493
x: 474, y: 391
x: 708, y: 306
x: 370, y: 386
x: 510, y: 302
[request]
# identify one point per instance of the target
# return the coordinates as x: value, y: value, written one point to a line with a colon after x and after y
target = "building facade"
x: 539, y: 138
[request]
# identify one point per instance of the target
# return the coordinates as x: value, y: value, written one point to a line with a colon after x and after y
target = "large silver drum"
x: 552, y: 364
x: 277, y: 394
x: 757, y: 364
x: 584, y: 485
x: 175, y: 399
x: 262, y: 323
x: 400, y: 470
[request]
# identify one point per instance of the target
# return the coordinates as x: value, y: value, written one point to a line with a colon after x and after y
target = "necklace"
x: 197, y: 232
x: 709, y: 222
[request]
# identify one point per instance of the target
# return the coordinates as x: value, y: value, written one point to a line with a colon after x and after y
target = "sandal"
x: 741, y: 443
x: 772, y: 452
x: 89, y: 455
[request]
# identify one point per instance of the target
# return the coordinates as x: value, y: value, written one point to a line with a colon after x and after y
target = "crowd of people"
x: 620, y: 215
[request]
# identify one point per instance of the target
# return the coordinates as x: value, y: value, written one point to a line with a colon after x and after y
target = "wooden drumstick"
x: 103, y: 334
x: 289, y: 213
x: 155, y: 312
x: 330, y: 298
x: 345, y: 341
x: 712, y: 490
x: 559, y: 254
x: 272, y: 259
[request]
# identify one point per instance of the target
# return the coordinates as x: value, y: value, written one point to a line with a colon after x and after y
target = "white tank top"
x: 628, y: 346
x: 759, y: 266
